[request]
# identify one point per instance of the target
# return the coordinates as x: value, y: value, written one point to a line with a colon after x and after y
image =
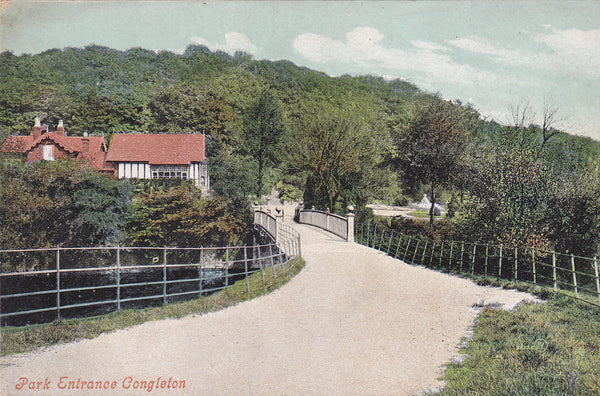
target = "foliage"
x: 337, y: 141
x: 59, y: 203
x: 180, y: 216
x: 431, y: 151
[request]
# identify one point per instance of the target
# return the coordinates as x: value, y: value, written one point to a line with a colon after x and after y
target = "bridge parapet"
x: 342, y: 226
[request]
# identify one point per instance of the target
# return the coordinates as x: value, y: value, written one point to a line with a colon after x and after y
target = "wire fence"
x: 88, y: 281
x: 573, y: 275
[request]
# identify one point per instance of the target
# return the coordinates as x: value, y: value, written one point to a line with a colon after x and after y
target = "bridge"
x: 354, y: 321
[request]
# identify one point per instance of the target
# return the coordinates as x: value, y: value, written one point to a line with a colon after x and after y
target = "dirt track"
x: 353, y: 322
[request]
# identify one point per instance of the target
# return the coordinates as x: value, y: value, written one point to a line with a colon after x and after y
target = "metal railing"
x: 73, y: 282
x: 341, y: 226
x: 285, y: 236
x: 572, y: 275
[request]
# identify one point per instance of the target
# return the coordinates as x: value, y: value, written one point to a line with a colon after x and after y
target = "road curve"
x: 353, y: 322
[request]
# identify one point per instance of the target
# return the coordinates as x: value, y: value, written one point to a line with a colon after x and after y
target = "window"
x: 170, y: 172
x: 47, y: 153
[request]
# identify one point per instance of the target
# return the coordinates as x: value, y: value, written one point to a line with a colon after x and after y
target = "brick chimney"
x: 60, y: 129
x: 36, y: 131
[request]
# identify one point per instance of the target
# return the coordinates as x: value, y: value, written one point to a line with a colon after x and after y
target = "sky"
x: 493, y: 54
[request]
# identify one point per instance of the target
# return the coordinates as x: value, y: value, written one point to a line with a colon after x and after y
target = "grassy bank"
x: 544, y: 349
x: 26, y: 338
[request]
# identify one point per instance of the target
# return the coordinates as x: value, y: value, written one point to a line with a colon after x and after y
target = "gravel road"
x: 353, y: 322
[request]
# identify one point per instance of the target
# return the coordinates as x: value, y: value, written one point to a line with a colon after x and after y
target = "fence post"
x: 399, y: 242
x: 118, y: 278
x: 416, y: 248
x: 58, y: 283
x: 432, y: 254
x: 574, y: 274
x: 451, y: 251
x: 200, y: 272
x: 533, y: 266
x: 406, y: 250
x: 246, y: 269
x: 500, y: 262
x: 554, y: 271
x: 272, y: 261
x: 597, y: 277
x: 462, y: 253
x: 424, y: 251
x: 390, y: 242
x: 487, y: 250
x: 441, y: 253
x: 368, y: 232
x: 226, y: 266
x: 164, y: 275
x: 473, y: 261
x: 516, y: 262
x: 262, y: 267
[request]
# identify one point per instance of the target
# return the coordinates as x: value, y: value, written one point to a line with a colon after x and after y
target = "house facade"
x: 42, y: 144
x: 129, y: 156
x: 160, y: 156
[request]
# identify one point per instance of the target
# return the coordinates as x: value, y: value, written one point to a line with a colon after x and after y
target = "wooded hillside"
x: 332, y: 141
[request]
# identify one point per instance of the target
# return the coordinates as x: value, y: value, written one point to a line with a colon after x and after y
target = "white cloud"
x: 573, y: 51
x: 234, y: 42
x: 580, y: 49
x: 363, y: 47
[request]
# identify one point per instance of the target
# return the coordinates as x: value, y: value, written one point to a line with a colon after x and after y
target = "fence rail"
x: 567, y: 273
x: 68, y: 286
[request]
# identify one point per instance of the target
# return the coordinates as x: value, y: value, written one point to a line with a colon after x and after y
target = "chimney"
x: 36, y: 131
x: 85, y: 143
x: 60, y: 129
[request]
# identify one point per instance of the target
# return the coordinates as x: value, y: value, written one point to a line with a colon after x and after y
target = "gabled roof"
x: 157, y: 149
x: 72, y: 144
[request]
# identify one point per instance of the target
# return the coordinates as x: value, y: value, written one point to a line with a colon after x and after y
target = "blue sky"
x: 493, y: 54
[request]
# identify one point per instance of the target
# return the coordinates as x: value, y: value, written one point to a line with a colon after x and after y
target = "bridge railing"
x: 285, y: 236
x: 572, y: 275
x: 342, y: 226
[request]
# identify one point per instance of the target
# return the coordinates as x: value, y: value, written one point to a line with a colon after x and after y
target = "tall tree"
x: 264, y: 128
x: 430, y: 153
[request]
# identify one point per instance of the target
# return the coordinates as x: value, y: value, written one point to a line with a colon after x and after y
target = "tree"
x: 263, y: 127
x: 180, y: 216
x: 329, y: 145
x: 431, y: 151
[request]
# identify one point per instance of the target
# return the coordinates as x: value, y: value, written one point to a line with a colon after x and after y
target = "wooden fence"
x: 573, y: 275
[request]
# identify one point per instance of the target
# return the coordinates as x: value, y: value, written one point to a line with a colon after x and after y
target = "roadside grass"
x: 27, y: 338
x: 540, y: 349
x: 422, y: 214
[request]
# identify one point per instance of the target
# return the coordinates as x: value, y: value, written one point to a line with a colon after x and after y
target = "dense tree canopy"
x: 334, y: 141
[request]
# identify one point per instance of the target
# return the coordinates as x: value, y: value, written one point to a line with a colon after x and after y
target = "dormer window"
x: 47, y: 152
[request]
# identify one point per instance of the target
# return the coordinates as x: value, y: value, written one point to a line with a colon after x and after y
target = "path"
x: 353, y: 322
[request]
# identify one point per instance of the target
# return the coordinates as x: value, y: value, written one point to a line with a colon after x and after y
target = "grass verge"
x: 27, y: 338
x: 540, y: 349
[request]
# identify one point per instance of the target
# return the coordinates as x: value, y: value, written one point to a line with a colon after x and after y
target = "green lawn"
x: 26, y: 338
x: 544, y: 349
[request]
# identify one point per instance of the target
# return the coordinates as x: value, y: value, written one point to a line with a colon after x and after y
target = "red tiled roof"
x: 16, y: 144
x: 95, y: 155
x: 73, y: 144
x: 157, y: 149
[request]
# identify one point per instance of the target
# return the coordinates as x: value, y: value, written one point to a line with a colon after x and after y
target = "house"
x: 129, y: 156
x: 160, y: 156
x: 41, y: 144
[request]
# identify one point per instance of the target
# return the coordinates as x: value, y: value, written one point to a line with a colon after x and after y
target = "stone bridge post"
x: 350, y: 217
